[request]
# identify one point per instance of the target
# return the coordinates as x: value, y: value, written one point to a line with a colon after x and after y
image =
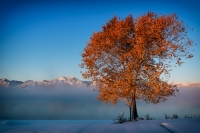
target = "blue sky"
x: 44, y: 39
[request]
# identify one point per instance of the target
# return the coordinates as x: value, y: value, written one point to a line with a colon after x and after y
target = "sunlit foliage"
x: 127, y: 58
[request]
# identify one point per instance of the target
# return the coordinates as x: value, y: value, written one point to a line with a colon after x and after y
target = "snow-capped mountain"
x: 6, y: 83
x: 62, y: 80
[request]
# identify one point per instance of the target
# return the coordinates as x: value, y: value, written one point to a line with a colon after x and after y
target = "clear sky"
x: 44, y: 39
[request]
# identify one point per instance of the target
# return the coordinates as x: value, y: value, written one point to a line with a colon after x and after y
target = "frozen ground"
x: 100, y: 126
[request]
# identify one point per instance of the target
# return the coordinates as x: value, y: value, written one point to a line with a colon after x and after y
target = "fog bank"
x: 73, y: 102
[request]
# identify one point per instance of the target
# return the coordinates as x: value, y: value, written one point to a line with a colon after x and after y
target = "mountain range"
x: 62, y: 80
x: 69, y: 80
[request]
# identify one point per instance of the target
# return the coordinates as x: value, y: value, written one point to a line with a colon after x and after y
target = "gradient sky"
x: 44, y: 39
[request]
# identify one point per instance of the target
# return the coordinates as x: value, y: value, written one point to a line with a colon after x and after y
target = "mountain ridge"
x: 45, y: 83
x: 67, y: 80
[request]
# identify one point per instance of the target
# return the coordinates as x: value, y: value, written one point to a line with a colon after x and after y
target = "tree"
x: 129, y: 56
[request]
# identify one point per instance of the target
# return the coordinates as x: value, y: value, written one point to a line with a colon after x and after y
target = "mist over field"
x: 60, y: 102
x: 80, y: 102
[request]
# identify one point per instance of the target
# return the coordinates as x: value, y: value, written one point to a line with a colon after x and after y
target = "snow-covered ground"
x: 182, y: 125
x: 100, y: 126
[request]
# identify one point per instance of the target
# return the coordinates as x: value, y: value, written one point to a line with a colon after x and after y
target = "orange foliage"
x: 126, y: 59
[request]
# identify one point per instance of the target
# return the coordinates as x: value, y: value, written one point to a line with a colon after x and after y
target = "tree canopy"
x: 129, y: 56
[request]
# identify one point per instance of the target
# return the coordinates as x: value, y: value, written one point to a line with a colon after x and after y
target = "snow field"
x: 100, y: 126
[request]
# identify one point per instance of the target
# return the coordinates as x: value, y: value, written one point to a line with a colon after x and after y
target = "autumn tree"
x: 129, y: 56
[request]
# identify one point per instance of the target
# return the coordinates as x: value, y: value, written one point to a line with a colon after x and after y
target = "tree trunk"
x: 134, y: 108
x: 130, y: 113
